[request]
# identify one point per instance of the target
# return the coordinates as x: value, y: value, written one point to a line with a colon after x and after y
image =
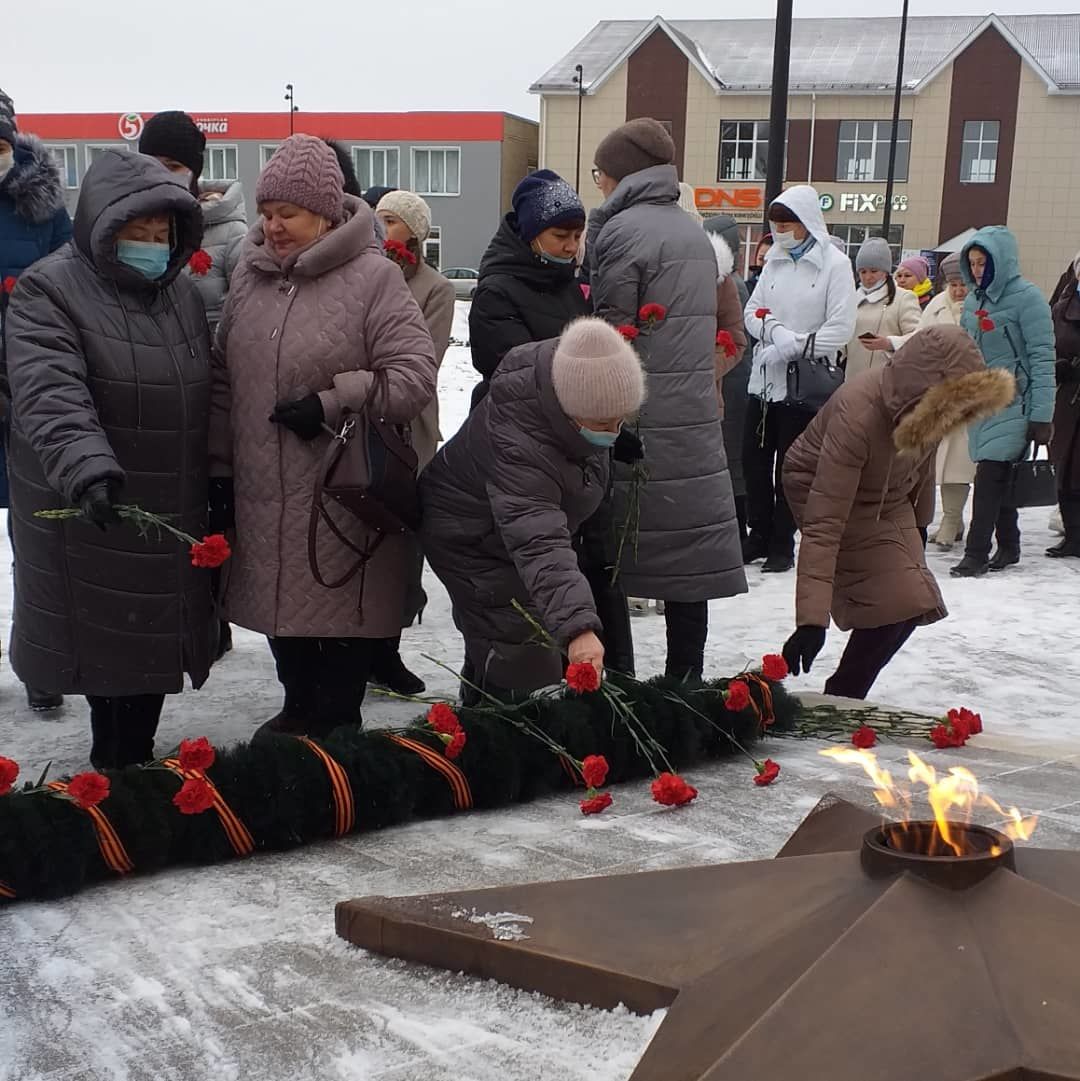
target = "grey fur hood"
x: 34, y: 182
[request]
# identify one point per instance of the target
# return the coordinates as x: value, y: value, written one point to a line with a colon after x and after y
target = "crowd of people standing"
x: 646, y: 425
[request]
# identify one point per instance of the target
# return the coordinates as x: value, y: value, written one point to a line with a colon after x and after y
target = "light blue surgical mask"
x: 149, y: 258
x: 558, y: 260
x: 599, y: 439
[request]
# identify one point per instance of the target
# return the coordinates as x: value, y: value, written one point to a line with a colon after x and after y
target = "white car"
x: 465, y: 281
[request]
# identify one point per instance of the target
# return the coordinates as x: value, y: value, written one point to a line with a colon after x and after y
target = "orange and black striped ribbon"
x: 764, y: 714
x: 6, y: 892
x: 459, y: 784
x: 344, y: 807
x: 112, y: 848
x: 242, y: 842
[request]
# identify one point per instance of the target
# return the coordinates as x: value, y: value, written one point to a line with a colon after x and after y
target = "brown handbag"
x: 370, y: 470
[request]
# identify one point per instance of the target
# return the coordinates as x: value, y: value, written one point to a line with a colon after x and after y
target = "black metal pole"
x: 292, y: 106
x: 580, y: 79
x: 774, y: 175
x: 890, y: 180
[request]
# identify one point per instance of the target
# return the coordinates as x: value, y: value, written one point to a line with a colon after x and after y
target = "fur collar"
x: 33, y: 185
x: 725, y: 261
x: 951, y: 405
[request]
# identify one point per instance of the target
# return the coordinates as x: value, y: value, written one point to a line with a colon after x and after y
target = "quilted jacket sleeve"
x: 50, y: 393
x: 1037, y: 327
x: 400, y: 376
x: 729, y: 317
x: 525, y: 505
x: 616, y: 280
x: 841, y: 308
x: 844, y: 452
x: 495, y: 327
x: 221, y: 439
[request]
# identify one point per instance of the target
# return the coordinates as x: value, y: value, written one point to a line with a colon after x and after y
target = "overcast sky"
x: 342, y: 55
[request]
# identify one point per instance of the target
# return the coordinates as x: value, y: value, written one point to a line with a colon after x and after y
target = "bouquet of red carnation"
x: 399, y: 253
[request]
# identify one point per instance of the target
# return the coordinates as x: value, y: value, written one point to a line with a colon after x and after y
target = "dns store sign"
x: 733, y: 200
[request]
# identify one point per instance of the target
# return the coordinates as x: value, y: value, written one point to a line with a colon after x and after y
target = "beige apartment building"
x: 989, y: 131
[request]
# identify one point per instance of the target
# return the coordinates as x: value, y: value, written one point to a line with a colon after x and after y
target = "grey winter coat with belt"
x: 110, y: 381
x: 224, y: 229
x: 644, y: 249
x: 501, y: 501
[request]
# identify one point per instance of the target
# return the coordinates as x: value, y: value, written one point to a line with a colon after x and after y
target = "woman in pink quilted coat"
x: 316, y: 322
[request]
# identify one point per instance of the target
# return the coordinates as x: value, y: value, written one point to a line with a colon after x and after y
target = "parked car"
x: 465, y: 281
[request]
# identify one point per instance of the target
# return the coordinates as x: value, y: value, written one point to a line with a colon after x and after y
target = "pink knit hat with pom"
x: 596, y: 372
x: 304, y: 171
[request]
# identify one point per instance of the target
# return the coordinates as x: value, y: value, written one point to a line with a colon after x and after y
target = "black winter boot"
x: 778, y: 564
x: 1069, y: 545
x: 388, y: 669
x: 1004, y: 557
x: 970, y: 567
x: 754, y: 547
x: 43, y: 701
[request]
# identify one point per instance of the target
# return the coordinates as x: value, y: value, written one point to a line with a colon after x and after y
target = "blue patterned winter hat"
x: 543, y: 200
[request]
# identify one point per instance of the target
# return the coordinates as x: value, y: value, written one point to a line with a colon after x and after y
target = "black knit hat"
x: 373, y: 196
x: 174, y: 135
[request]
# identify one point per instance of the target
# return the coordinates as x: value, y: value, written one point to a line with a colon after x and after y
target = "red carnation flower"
x: 9, y: 284
x: 88, y: 789
x: 196, y: 754
x: 726, y: 343
x: 631, y: 334
x: 986, y: 324
x: 652, y: 313
x: 972, y: 721
x: 194, y: 797
x: 443, y: 719
x: 9, y: 773
x: 583, y: 678
x: 595, y: 804
x: 982, y: 313
x: 200, y: 263
x: 456, y: 744
x: 774, y: 668
x: 672, y: 791
x: 767, y: 772
x: 762, y: 312
x: 738, y: 696
x: 594, y: 770
x: 399, y: 252
x: 864, y: 737
x: 211, y: 551
x: 944, y: 736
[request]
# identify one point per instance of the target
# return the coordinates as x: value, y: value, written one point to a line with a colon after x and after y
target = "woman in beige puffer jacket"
x: 955, y: 469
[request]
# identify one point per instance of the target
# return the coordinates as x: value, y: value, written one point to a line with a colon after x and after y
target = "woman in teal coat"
x: 1010, y: 321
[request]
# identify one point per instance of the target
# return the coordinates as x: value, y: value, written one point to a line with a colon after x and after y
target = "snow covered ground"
x: 234, y: 971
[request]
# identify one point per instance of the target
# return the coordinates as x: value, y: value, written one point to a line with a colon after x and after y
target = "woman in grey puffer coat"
x: 643, y: 249
x: 504, y: 497
x: 224, y: 228
x: 108, y: 357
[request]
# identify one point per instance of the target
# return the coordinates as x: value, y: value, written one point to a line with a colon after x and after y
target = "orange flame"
x: 957, y: 792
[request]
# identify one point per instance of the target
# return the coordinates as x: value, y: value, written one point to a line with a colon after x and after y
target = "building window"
x: 376, y: 166
x: 219, y: 163
x: 266, y: 152
x: 854, y: 236
x: 95, y: 152
x: 436, y: 171
x: 978, y: 162
x: 864, y: 150
x: 67, y: 161
x: 433, y: 248
x: 744, y: 150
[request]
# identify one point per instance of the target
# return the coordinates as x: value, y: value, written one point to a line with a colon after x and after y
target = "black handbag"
x: 812, y: 380
x: 1031, y: 483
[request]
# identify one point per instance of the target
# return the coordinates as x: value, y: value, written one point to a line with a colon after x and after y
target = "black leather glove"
x: 222, y: 506
x: 96, y: 503
x: 304, y: 417
x: 802, y: 647
x: 628, y: 447
x: 1039, y: 432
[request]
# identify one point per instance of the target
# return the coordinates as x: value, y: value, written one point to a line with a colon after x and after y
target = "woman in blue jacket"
x: 1010, y: 321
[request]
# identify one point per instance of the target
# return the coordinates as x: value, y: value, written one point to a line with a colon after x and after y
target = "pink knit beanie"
x: 304, y: 171
x: 918, y: 266
x: 596, y: 372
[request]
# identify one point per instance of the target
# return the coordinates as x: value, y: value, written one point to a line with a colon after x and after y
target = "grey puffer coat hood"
x: 224, y: 229
x: 501, y: 502
x: 644, y: 249
x: 110, y: 381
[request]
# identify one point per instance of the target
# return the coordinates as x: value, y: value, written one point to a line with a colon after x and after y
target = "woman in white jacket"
x: 955, y: 469
x: 806, y: 288
x: 886, y: 317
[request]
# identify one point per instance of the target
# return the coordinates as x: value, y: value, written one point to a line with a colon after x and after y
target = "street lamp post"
x: 774, y: 174
x: 891, y: 178
x: 579, y: 78
x: 293, y: 107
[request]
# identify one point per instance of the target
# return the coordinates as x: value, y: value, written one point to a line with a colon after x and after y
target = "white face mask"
x: 787, y: 241
x: 7, y: 160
